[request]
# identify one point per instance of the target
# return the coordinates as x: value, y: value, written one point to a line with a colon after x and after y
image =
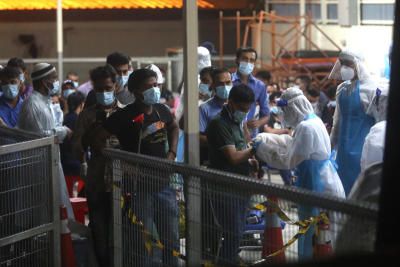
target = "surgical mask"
x: 10, y: 91
x: 58, y: 114
x: 314, y: 106
x: 246, y: 68
x: 122, y: 80
x: 223, y: 91
x: 151, y: 96
x: 76, y: 84
x: 204, y: 89
x: 331, y: 104
x: 276, y: 110
x: 347, y: 73
x: 67, y: 92
x: 22, y: 77
x: 105, y: 98
x: 239, y: 116
x: 56, y: 88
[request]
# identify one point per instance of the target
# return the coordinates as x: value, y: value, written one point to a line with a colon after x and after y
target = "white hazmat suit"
x: 308, y: 151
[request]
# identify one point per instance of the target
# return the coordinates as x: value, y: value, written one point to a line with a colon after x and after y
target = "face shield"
x: 348, y: 63
x: 295, y: 107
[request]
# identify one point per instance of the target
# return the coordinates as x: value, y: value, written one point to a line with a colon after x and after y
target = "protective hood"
x: 357, y: 59
x: 204, y: 58
x: 295, y: 107
x: 160, y: 77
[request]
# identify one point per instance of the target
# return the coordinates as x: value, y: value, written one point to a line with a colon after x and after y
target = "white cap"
x: 160, y: 77
x: 41, y: 70
x: 204, y: 58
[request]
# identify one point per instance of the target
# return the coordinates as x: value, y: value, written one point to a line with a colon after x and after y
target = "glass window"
x: 332, y: 11
x: 377, y: 12
x: 314, y: 10
x: 286, y: 9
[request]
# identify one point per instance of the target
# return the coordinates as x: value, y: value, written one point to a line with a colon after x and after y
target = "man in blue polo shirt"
x: 245, y: 60
x: 10, y: 101
x: 221, y: 86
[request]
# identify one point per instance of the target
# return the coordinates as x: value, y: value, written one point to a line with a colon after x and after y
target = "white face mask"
x: 347, y: 73
x: 315, y: 106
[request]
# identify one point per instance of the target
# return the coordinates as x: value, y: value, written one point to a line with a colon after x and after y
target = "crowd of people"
x: 247, y: 123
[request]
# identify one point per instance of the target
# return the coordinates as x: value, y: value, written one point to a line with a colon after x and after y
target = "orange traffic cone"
x: 273, y: 240
x: 67, y: 251
x: 322, y: 240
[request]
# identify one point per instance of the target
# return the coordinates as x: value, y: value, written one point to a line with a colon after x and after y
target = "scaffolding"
x: 292, y: 50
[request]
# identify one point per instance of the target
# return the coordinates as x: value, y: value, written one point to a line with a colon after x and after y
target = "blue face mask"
x: 239, y: 116
x: 122, y: 80
x: 246, y: 68
x: 105, y: 98
x: 204, y: 89
x: 67, y: 92
x: 22, y: 77
x: 56, y: 88
x: 76, y: 84
x: 223, y: 91
x: 276, y: 110
x: 10, y: 91
x: 151, y: 96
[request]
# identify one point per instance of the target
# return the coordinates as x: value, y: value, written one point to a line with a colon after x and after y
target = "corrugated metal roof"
x: 97, y: 4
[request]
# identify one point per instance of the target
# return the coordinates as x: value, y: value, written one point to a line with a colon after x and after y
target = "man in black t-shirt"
x: 147, y: 127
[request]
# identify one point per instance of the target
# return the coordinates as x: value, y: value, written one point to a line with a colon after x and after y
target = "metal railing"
x: 29, y: 194
x: 159, y: 205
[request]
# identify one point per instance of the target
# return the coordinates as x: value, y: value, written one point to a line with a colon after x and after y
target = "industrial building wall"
x: 372, y: 41
x: 97, y: 38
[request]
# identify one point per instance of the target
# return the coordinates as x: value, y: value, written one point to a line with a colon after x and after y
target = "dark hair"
x: 167, y: 95
x: 242, y: 50
x: 305, y: 79
x: 313, y: 92
x: 331, y: 92
x: 217, y: 72
x: 264, y: 74
x: 74, y: 100
x: 103, y: 72
x: 241, y: 94
x: 10, y: 73
x: 17, y: 62
x: 274, y: 95
x: 117, y: 59
x: 138, y: 77
x: 206, y: 70
x: 73, y: 73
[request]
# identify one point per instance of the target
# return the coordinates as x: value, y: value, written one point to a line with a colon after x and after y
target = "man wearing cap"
x: 37, y: 116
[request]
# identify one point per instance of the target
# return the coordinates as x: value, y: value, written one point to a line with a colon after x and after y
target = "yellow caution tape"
x: 149, y: 241
x: 304, y: 225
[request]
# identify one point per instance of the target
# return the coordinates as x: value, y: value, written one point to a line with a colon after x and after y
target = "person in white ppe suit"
x: 308, y: 150
x: 37, y: 116
x: 354, y: 116
x: 367, y: 188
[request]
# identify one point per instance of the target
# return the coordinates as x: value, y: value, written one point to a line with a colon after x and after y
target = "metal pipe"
x: 221, y: 38
x: 192, y: 155
x: 60, y: 40
x: 238, y: 29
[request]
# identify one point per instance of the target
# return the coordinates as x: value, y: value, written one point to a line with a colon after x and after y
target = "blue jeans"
x: 159, y: 213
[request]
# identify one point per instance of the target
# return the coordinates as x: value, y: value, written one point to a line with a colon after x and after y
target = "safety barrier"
x: 29, y: 200
x: 166, y: 213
